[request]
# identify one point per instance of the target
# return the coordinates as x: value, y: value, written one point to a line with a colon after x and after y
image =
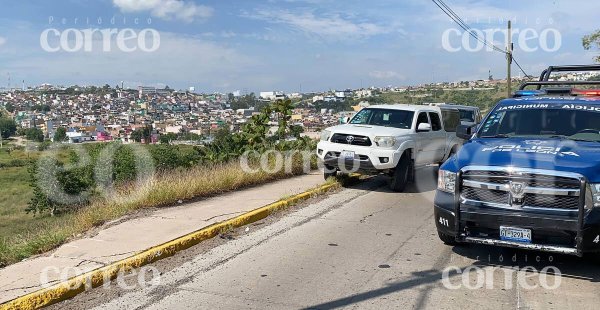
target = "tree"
x: 10, y: 107
x: 284, y: 111
x: 167, y: 138
x: 34, y: 134
x: 590, y: 41
x: 255, y: 131
x: 8, y: 127
x: 60, y: 135
x: 41, y: 108
x: 142, y: 133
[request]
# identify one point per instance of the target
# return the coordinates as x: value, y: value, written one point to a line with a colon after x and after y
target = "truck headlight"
x: 385, y: 141
x: 446, y: 181
x: 325, y: 134
x: 595, y: 189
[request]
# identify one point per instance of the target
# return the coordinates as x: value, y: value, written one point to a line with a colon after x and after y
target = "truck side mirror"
x: 424, y: 127
x: 464, y: 131
x: 345, y: 120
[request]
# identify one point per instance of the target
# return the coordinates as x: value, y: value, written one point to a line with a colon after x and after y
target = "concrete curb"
x: 74, y: 286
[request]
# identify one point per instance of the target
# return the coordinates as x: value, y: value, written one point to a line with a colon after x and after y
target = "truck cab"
x: 529, y: 176
x: 469, y: 115
x: 389, y: 139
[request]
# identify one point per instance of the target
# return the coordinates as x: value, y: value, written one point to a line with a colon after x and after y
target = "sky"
x: 287, y: 45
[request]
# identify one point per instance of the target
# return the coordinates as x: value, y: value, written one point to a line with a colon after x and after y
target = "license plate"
x: 347, y: 155
x: 515, y: 234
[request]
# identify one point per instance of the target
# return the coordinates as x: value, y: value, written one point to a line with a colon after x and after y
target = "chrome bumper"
x: 518, y: 245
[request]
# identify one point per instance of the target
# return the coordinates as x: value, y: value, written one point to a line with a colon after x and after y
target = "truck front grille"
x: 551, y: 201
x: 521, y: 188
x: 337, y: 155
x: 351, y: 139
x: 485, y: 195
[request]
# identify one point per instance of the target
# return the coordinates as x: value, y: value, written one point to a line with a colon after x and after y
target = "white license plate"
x: 515, y: 234
x: 347, y: 155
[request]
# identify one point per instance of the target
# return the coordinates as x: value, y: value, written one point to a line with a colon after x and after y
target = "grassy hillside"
x: 482, y: 98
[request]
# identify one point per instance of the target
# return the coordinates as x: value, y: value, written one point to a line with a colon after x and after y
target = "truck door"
x: 438, y: 138
x: 425, y: 146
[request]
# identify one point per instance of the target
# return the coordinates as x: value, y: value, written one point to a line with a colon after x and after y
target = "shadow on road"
x: 569, y: 266
x: 425, y: 181
x: 418, y: 279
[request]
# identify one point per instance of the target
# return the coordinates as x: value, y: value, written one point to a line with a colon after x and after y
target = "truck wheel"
x: 447, y: 239
x: 332, y: 173
x: 400, y: 175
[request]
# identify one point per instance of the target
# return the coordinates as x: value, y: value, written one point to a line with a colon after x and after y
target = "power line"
x: 520, y: 68
x: 461, y: 23
x: 468, y: 28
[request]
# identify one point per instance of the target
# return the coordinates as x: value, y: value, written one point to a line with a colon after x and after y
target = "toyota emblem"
x: 349, y: 139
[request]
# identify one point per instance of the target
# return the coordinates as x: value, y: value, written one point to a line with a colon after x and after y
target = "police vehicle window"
x: 436, y: 123
x: 422, y: 119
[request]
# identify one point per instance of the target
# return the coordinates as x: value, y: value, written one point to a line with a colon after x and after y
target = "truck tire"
x: 328, y: 175
x: 447, y: 239
x: 401, y: 175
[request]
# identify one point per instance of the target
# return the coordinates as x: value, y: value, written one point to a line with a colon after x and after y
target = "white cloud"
x: 2, y: 41
x: 167, y: 9
x: 332, y: 26
x: 382, y: 75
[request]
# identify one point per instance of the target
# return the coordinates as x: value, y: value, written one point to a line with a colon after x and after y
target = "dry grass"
x: 164, y: 189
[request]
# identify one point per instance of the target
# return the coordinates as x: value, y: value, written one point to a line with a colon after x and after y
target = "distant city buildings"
x: 99, y: 114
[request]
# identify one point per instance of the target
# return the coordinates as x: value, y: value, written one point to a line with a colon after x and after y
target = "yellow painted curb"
x: 74, y: 286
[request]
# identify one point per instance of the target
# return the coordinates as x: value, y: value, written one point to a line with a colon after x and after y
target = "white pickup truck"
x: 390, y: 139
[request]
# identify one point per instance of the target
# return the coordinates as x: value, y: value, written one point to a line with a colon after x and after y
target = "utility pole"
x: 509, y: 51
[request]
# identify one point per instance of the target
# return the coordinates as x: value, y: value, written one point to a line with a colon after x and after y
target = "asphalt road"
x: 363, y: 247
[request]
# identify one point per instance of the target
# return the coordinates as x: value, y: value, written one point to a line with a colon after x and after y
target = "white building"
x: 271, y: 95
x: 362, y: 93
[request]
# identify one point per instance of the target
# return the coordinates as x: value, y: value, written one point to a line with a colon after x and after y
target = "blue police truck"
x: 528, y: 175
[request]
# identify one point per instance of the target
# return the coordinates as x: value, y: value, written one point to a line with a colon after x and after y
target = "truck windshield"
x: 556, y: 123
x: 384, y: 117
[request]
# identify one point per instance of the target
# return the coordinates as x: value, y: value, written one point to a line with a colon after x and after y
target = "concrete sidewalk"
x: 122, y: 240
